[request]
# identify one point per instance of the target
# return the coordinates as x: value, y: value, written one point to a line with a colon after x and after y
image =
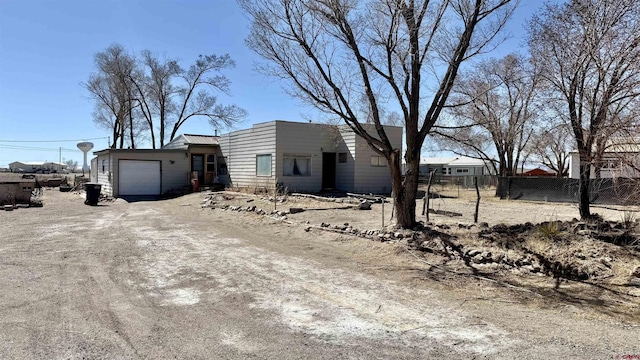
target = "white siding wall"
x: 174, y: 175
x: 94, y: 170
x: 304, y: 139
x: 241, y: 148
x: 574, y: 166
x: 104, y: 175
x: 345, y: 176
x: 374, y: 179
x: 280, y: 138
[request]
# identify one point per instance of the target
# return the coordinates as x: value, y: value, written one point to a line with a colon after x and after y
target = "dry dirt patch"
x: 556, y: 260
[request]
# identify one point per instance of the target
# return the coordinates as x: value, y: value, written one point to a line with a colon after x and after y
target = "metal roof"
x: 200, y: 139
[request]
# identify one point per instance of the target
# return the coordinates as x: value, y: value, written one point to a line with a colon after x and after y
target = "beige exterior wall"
x: 369, y: 178
x: 240, y: 149
x: 175, y: 167
x: 304, y: 140
x: 282, y: 139
x: 19, y: 193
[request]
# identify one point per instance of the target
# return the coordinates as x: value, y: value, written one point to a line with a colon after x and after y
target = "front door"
x: 197, y: 164
x: 328, y: 170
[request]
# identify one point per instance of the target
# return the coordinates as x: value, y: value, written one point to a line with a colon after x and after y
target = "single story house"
x: 621, y: 160
x: 36, y: 166
x: 15, y: 189
x: 453, y: 166
x: 306, y: 157
x: 126, y: 172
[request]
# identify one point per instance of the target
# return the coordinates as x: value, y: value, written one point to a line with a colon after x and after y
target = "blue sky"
x: 47, y: 49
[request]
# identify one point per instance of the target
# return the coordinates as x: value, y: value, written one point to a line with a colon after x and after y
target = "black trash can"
x: 93, y: 193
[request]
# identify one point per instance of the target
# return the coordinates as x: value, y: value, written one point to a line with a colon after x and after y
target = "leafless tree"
x: 552, y: 146
x: 589, y: 54
x: 111, y: 89
x: 192, y: 97
x: 72, y: 165
x: 149, y: 93
x: 335, y: 52
x: 496, y: 112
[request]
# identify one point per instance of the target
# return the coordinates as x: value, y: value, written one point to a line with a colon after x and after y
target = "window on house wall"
x: 263, y: 165
x: 378, y: 161
x: 222, y: 166
x: 342, y: 158
x: 104, y: 165
x: 462, y: 171
x: 296, y: 165
x: 211, y: 163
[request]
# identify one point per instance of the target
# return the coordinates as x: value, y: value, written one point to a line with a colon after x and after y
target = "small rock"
x: 295, y: 210
x: 473, y: 252
x: 636, y: 272
x: 634, y: 282
x: 307, y: 229
x: 365, y: 205
x: 584, y: 232
x: 398, y: 235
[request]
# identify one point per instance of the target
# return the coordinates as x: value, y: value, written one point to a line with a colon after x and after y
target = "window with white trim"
x: 296, y: 165
x: 378, y: 161
x: 263, y: 165
x: 462, y: 171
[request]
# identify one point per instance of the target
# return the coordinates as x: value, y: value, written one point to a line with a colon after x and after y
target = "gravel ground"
x: 169, y: 279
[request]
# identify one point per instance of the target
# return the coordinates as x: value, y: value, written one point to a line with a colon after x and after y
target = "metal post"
x: 382, y: 213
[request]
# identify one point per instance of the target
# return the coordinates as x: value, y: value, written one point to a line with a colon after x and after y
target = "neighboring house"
x: 453, y: 166
x: 306, y: 157
x: 126, y: 172
x: 620, y: 161
x: 15, y: 189
x: 31, y: 167
x: 54, y: 166
x: 535, y: 172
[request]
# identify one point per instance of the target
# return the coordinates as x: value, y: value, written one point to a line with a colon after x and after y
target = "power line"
x: 17, y: 147
x: 45, y: 141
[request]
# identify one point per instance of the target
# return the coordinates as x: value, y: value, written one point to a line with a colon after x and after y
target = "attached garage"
x: 139, y: 177
x: 141, y: 172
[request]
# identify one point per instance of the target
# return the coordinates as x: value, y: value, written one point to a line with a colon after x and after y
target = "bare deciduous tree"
x: 148, y: 93
x: 111, y: 89
x: 336, y: 52
x: 497, y: 112
x: 552, y: 147
x: 589, y: 52
x: 72, y: 165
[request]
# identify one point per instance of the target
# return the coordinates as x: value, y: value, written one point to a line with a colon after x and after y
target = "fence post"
x: 475, y: 215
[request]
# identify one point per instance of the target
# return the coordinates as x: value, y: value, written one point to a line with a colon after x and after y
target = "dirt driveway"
x: 169, y: 279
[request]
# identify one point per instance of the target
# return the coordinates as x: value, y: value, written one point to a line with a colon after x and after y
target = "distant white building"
x: 454, y: 166
x: 621, y: 160
x: 36, y: 166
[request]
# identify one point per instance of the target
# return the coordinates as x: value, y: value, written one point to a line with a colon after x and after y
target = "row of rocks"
x: 434, y: 244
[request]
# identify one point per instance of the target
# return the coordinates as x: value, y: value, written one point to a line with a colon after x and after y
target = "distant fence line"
x: 466, y: 181
x: 611, y: 191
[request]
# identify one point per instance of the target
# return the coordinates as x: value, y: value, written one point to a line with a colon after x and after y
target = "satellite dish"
x: 85, y: 147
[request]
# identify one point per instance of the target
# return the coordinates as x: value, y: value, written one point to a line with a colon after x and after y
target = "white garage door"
x: 139, y: 177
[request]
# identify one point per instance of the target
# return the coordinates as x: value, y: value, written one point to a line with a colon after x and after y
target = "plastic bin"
x: 93, y: 193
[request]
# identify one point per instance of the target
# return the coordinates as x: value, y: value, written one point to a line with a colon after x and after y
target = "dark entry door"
x: 328, y: 170
x: 197, y: 164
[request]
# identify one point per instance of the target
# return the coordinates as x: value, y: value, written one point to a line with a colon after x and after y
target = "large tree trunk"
x: 404, y: 193
x: 583, y: 190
